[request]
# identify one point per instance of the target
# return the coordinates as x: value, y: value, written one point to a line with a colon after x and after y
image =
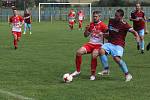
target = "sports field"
x: 34, y: 71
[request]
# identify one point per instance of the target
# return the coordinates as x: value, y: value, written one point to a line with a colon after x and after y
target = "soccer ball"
x: 67, y: 78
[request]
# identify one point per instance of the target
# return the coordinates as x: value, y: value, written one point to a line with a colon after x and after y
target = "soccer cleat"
x: 142, y: 51
x: 148, y: 47
x: 104, y: 72
x: 92, y: 78
x: 75, y: 74
x: 128, y: 77
x: 30, y: 32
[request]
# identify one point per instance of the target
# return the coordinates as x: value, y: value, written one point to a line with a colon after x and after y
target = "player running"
x: 138, y: 18
x: 16, y: 21
x: 80, y: 18
x: 95, y: 32
x: 27, y: 20
x: 118, y: 29
x: 71, y: 18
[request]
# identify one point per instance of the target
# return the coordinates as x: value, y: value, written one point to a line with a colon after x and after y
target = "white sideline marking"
x: 15, y: 95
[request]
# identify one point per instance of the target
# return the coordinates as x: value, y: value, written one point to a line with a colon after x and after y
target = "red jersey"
x: 15, y: 21
x: 71, y: 16
x: 118, y: 32
x: 95, y: 29
x: 27, y: 18
x: 138, y: 25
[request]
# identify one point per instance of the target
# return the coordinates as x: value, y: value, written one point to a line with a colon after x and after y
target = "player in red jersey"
x: 80, y: 18
x: 95, y: 32
x: 139, y: 20
x: 16, y: 21
x: 71, y: 18
x: 118, y: 29
x: 27, y: 21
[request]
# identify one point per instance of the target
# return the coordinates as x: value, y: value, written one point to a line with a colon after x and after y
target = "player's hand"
x: 100, y: 34
x: 137, y: 19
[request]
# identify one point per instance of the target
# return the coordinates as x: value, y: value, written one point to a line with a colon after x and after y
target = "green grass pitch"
x: 35, y: 70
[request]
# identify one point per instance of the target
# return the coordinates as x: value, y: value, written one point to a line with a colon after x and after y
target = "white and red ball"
x: 67, y: 78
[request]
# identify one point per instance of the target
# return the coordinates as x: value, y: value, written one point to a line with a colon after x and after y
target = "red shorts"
x: 71, y: 23
x: 80, y: 21
x: 91, y: 47
x: 16, y: 33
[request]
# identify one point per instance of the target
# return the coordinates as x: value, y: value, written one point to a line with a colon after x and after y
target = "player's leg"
x: 71, y: 25
x: 117, y: 53
x: 18, y: 36
x: 80, y: 24
x: 141, y: 34
x: 25, y: 28
x: 29, y: 27
x: 94, y: 55
x: 123, y: 67
x: 81, y: 51
x: 104, y: 60
x: 78, y: 60
x: 15, y: 39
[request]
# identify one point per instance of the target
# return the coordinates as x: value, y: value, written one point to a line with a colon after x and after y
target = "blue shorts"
x: 141, y: 32
x: 27, y: 25
x: 113, y: 50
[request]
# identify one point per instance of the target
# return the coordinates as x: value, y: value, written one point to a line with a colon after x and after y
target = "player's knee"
x: 81, y: 51
x: 141, y: 38
x: 95, y: 54
x: 117, y: 59
x: 101, y: 52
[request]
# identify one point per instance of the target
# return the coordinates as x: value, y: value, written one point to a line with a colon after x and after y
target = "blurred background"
x: 59, y: 12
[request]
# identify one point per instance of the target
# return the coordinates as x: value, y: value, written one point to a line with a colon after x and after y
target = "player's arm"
x: 145, y: 29
x: 10, y: 21
x: 136, y: 36
x: 22, y: 21
x: 27, y: 17
x: 87, y: 32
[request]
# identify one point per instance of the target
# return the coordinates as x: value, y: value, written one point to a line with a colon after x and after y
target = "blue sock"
x: 123, y: 66
x: 104, y: 61
x: 142, y: 44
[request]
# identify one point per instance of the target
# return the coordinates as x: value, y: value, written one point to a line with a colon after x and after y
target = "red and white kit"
x: 80, y: 18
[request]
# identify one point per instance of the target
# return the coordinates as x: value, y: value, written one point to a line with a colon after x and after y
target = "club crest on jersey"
x: 113, y: 29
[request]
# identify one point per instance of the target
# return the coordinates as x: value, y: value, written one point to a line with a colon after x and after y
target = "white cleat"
x: 75, y: 74
x: 104, y: 72
x: 92, y: 78
x: 128, y: 77
x: 30, y: 32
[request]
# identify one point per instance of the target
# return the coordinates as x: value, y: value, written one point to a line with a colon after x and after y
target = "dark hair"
x: 121, y: 12
x: 97, y: 12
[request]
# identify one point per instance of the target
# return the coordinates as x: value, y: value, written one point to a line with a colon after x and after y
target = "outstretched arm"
x: 136, y: 36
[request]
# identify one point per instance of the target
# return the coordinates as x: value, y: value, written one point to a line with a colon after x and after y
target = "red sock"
x: 93, y: 66
x: 78, y: 62
x: 15, y: 43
